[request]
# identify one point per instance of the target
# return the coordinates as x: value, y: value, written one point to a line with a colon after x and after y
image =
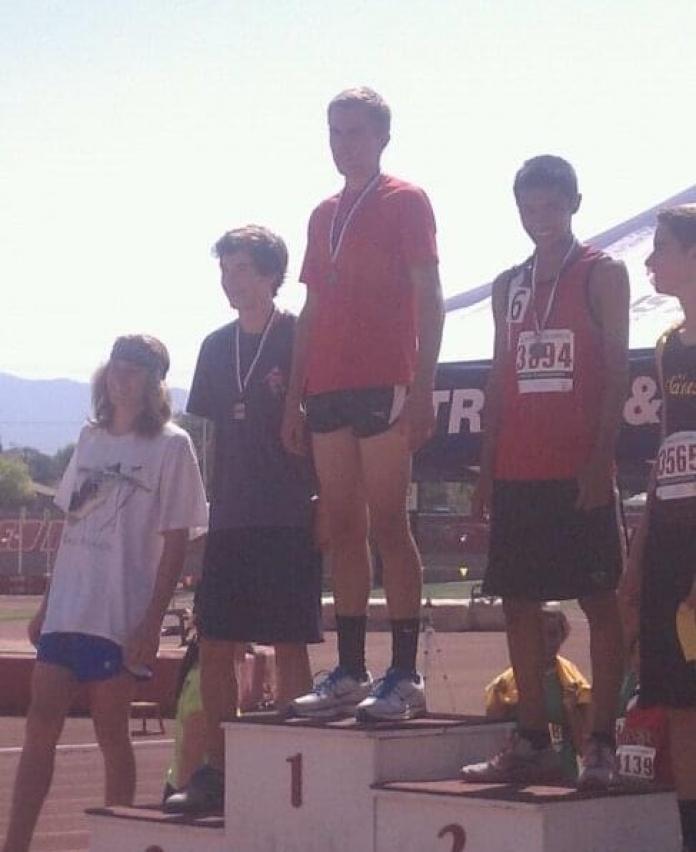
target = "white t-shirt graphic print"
x: 120, y: 493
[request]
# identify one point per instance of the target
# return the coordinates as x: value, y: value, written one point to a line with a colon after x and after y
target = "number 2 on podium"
x: 295, y: 779
x: 458, y: 836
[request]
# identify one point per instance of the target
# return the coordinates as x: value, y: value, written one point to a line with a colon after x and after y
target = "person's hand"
x: 34, y: 627
x: 417, y: 420
x: 595, y: 483
x: 141, y: 648
x: 293, y: 431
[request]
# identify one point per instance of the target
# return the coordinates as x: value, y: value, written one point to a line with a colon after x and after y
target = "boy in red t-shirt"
x: 364, y: 362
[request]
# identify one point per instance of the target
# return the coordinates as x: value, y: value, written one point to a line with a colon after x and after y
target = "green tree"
x: 41, y: 467
x: 15, y: 482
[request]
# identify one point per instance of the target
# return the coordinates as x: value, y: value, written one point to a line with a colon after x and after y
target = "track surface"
x: 461, y: 664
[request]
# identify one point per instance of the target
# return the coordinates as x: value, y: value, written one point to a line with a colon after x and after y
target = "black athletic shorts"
x: 542, y: 548
x: 366, y: 411
x: 260, y: 584
x: 669, y: 566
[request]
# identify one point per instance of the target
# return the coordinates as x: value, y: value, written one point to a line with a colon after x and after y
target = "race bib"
x: 518, y: 299
x: 544, y: 361
x: 676, y: 467
x: 636, y: 762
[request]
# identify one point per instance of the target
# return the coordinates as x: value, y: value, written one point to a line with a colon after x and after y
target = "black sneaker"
x: 204, y: 794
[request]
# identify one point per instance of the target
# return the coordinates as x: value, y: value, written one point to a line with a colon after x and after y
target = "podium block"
x: 301, y: 786
x: 450, y: 816
x: 121, y: 829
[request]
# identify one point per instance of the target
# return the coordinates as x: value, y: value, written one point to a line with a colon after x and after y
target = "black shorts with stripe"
x: 543, y: 548
x: 366, y: 411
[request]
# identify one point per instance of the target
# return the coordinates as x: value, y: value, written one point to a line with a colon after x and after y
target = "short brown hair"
x: 158, y: 409
x: 267, y: 250
x: 544, y: 172
x: 377, y: 107
x: 681, y: 223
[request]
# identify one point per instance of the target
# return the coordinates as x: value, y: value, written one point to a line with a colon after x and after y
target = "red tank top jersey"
x: 364, y: 332
x: 551, y: 401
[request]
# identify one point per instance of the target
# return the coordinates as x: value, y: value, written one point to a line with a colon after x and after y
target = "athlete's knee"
x: 602, y: 609
x: 113, y: 737
x: 390, y: 528
x: 217, y: 656
x: 347, y: 530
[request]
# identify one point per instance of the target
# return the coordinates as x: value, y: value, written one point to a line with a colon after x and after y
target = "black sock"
x: 604, y: 738
x: 537, y: 739
x: 405, y: 643
x: 351, y: 644
x: 687, y: 814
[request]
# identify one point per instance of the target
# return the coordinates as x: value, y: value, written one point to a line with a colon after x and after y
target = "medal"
x: 336, y: 238
x: 239, y: 406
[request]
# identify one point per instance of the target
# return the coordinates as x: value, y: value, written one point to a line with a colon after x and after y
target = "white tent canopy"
x: 468, y: 333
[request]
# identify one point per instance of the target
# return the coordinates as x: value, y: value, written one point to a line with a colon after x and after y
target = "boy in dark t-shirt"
x: 261, y: 571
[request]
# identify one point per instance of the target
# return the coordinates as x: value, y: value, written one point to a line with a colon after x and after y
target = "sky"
x: 133, y: 133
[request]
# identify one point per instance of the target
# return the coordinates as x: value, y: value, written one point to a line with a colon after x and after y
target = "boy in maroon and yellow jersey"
x: 661, y: 575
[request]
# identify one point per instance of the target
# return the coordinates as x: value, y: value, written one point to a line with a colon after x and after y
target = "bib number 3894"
x: 544, y: 361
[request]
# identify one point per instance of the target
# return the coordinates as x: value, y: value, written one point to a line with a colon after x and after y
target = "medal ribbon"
x: 242, y: 382
x: 336, y: 241
x: 539, y: 326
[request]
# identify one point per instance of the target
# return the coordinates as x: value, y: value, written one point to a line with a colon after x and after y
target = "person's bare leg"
x: 607, y: 655
x: 293, y: 674
x: 386, y: 466
x: 337, y: 461
x: 110, y: 705
x: 53, y: 689
x: 525, y: 636
x: 219, y: 694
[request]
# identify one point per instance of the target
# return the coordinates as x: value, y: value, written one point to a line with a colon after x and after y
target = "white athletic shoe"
x: 335, y: 695
x: 597, y: 766
x: 395, y: 697
x: 516, y: 763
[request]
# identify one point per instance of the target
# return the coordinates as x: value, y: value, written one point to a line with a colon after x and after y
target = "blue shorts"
x: 87, y: 657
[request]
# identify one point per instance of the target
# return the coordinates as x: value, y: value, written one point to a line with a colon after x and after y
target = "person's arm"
x: 142, y: 646
x: 491, y: 414
x: 293, y: 431
x: 609, y: 293
x: 418, y: 417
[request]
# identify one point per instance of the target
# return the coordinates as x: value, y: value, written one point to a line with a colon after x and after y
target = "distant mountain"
x: 47, y: 413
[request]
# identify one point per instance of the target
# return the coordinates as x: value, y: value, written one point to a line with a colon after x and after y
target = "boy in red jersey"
x: 661, y: 575
x: 364, y: 362
x: 553, y: 408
